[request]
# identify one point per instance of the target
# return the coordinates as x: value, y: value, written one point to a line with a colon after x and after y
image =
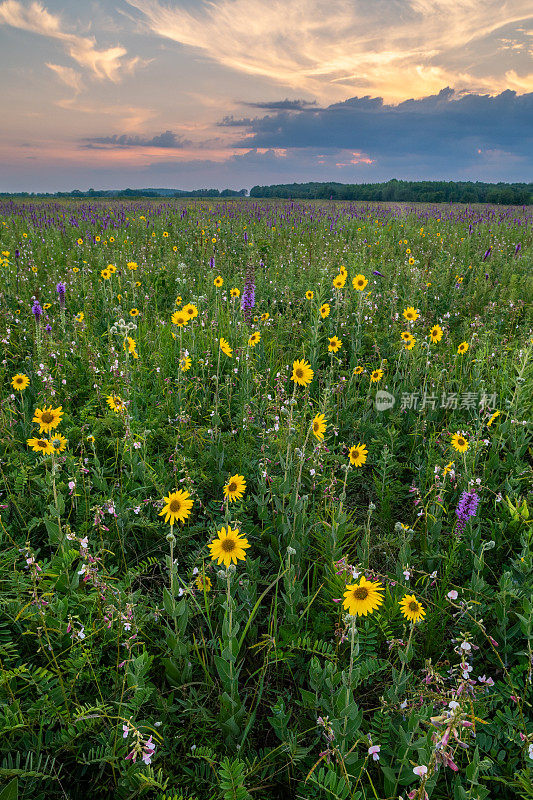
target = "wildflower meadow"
x: 264, y: 515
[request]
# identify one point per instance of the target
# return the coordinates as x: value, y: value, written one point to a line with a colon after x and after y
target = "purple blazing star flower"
x: 466, y: 509
x: 61, y: 289
x: 487, y: 253
x: 380, y: 274
x: 37, y: 310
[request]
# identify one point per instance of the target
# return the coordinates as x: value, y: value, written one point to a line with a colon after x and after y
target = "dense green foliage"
x: 121, y: 638
x: 404, y: 191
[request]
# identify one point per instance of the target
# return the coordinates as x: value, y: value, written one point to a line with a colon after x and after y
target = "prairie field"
x: 265, y: 513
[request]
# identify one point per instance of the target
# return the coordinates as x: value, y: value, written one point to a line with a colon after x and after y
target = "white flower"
x: 452, y: 595
x: 421, y: 770
x: 453, y: 704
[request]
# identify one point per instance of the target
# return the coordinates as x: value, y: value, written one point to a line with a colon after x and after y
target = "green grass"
x: 256, y: 684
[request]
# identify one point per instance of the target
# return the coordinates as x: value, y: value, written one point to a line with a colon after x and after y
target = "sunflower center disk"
x: 361, y: 593
x: 228, y: 545
x: 299, y: 373
x: 47, y: 417
x: 413, y: 606
x: 175, y: 506
x: 232, y: 487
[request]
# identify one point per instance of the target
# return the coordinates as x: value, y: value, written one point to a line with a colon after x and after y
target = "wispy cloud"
x: 395, y: 48
x: 105, y: 64
x: 70, y: 77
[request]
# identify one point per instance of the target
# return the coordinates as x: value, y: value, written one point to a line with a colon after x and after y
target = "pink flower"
x: 126, y: 731
x: 420, y: 771
x: 374, y: 751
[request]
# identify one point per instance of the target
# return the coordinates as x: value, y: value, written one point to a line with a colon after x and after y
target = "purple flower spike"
x: 466, y: 509
x: 61, y: 289
x: 37, y: 310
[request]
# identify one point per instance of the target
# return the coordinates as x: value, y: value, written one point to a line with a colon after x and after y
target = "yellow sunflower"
x: 235, y: 292
x: 203, y: 583
x: 358, y: 370
x: 43, y: 446
x: 410, y: 344
x: 80, y: 316
x: 264, y: 316
x: 254, y: 339
x: 463, y: 347
x: 324, y: 310
x: 229, y: 546
x: 219, y: 280
x: 48, y: 418
x: 179, y: 319
x: 411, y: 261
x: 58, y: 442
x: 235, y: 488
x: 190, y: 310
x: 358, y: 454
x: 132, y: 265
x: 19, y: 382
x: 411, y: 608
x: 459, y: 443
x: 406, y: 336
x: 363, y: 598
x: 302, y: 374
x: 226, y: 349
x: 115, y: 403
x: 177, y: 507
x: 134, y: 312
x: 359, y: 283
x: 105, y: 274
x: 411, y: 313
x: 436, y: 334
x: 339, y: 281
x: 185, y: 363
x: 334, y: 344
x: 494, y: 416
x: 309, y: 295
x: 130, y: 345
x: 319, y: 426
x: 376, y: 376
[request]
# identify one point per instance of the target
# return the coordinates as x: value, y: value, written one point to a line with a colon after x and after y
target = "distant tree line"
x: 118, y: 193
x: 406, y: 191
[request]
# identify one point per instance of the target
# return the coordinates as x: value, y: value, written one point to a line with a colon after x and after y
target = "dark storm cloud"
x: 284, y: 105
x: 168, y: 139
x: 450, y: 124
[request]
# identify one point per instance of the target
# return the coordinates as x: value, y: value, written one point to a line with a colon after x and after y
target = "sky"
x: 232, y: 93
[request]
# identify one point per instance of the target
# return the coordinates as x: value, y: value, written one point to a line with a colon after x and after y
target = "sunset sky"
x: 231, y: 93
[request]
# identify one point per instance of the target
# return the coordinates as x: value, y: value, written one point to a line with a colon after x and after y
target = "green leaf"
x: 11, y: 791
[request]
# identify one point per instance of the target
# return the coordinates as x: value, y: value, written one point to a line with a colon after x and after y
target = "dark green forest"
x: 405, y: 191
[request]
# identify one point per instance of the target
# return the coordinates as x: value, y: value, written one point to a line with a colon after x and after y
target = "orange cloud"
x: 108, y: 64
x: 337, y: 46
